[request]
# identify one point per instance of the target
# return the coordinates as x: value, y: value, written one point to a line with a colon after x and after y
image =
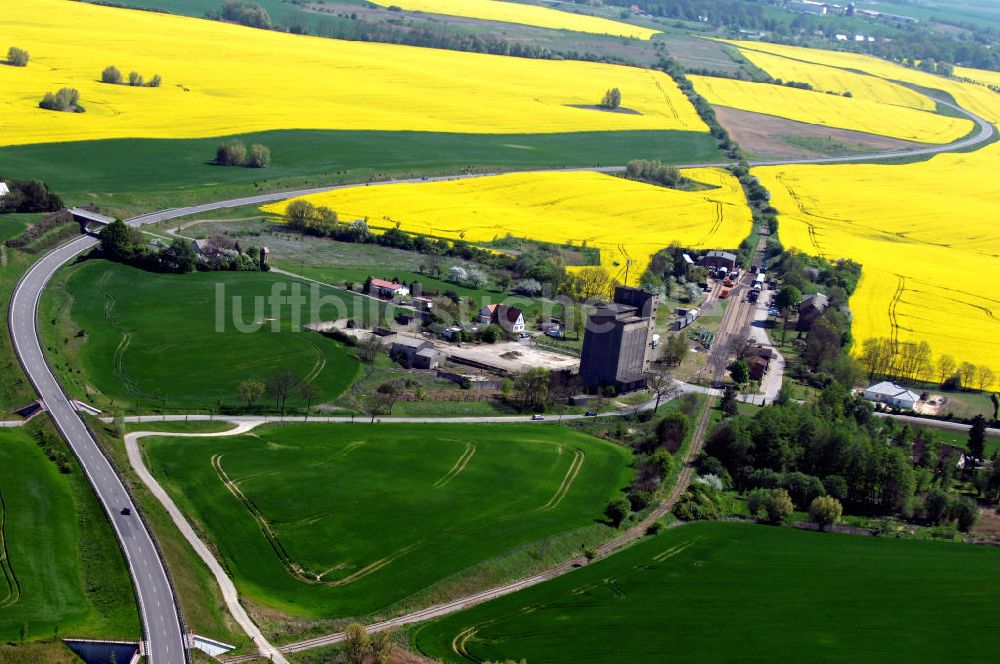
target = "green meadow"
x: 726, y: 592
x: 325, y: 521
x: 126, y: 339
x: 130, y: 175
x: 61, y: 571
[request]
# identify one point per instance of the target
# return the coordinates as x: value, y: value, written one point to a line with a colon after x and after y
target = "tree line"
x: 121, y: 243
x: 911, y: 361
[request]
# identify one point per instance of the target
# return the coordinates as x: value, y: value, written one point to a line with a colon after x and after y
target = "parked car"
x: 773, y: 312
x: 591, y: 413
x: 536, y: 418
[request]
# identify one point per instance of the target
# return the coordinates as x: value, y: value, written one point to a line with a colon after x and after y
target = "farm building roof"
x: 508, y: 313
x: 889, y: 389
x: 410, y: 342
x: 382, y: 283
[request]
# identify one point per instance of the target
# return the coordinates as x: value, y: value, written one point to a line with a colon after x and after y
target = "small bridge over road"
x: 90, y: 221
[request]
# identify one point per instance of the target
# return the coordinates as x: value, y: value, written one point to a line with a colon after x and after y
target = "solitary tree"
x: 381, y: 645
x: 300, y: 214
x: 280, y: 386
x: 778, y: 506
x: 250, y: 390
x: 937, y: 506
x: 671, y: 432
x: 309, y: 393
x: 740, y: 372
x: 357, y: 644
x: 17, y: 57
x: 136, y: 80
x: 786, y: 299
x: 729, y: 404
x: 389, y: 393
x: 967, y: 375
x: 662, y: 384
x: 965, y: 512
x: 155, y: 81
x: 111, y: 75
x: 533, y: 387
x: 369, y: 349
x: 945, y: 367
x: 612, y: 99
x: 675, y: 350
x: 977, y: 439
x: 259, y: 156
x: 616, y: 510
x: 231, y: 153
x: 825, y: 510
x: 984, y: 377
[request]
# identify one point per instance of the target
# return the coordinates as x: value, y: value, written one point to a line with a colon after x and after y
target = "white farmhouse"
x: 892, y: 395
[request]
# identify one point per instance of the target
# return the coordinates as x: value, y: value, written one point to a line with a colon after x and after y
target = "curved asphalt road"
x: 163, y: 626
x: 165, y: 639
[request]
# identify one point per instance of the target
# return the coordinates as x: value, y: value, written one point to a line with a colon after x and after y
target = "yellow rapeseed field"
x: 926, y: 235
x: 824, y: 76
x: 624, y: 219
x: 819, y: 108
x: 979, y: 75
x: 512, y: 12
x: 221, y: 79
x: 974, y: 98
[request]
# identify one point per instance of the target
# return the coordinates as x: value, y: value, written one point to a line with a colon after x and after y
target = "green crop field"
x: 136, y: 174
x: 723, y: 592
x: 60, y: 567
x: 337, y: 520
x: 133, y: 340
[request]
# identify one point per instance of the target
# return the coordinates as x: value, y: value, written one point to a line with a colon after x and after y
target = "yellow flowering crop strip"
x: 513, y: 12
x: 977, y: 99
x: 221, y: 79
x: 796, y: 66
x: 832, y: 110
x: 626, y: 220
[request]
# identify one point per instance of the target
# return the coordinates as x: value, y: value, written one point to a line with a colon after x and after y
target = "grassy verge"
x: 62, y: 570
x: 194, y: 426
x: 15, y: 390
